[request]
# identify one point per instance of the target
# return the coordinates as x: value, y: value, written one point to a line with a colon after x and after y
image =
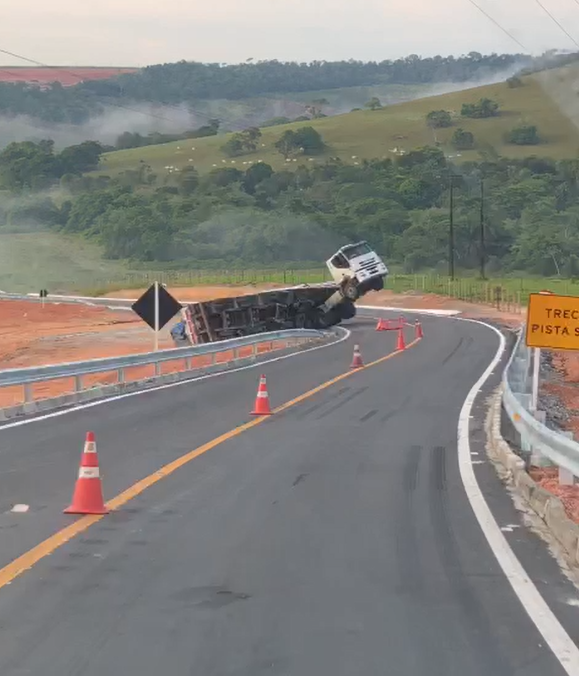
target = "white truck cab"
x: 357, y: 268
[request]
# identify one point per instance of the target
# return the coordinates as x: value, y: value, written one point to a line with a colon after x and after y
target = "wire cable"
x: 548, y: 13
x: 498, y: 25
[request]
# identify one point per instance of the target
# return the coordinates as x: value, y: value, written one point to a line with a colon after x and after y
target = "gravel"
x: 557, y: 415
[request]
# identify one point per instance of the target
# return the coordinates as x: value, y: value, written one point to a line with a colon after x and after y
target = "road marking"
x: 157, y: 388
x: 535, y: 605
x: 20, y: 509
x: 33, y: 556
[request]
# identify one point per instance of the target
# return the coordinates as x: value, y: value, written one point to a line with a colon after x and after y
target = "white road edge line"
x: 117, y: 397
x: 535, y: 605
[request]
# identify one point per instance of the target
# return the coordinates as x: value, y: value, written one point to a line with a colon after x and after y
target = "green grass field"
x: 548, y: 100
x: 31, y: 261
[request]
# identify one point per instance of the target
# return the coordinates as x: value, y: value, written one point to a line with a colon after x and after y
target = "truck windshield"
x: 356, y: 250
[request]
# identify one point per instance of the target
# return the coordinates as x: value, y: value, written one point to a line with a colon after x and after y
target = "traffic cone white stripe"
x: 89, y: 473
x: 90, y: 447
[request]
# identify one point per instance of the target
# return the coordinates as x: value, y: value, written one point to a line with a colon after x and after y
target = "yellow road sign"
x: 553, y: 321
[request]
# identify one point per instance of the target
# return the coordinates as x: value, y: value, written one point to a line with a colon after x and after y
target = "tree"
x: 28, y: 165
x: 483, y: 108
x: 463, y: 140
x: 255, y: 175
x: 526, y: 135
x: 315, y: 108
x: 80, y: 158
x: 439, y: 119
x: 242, y: 142
x: 374, y: 103
x: 304, y: 140
x: 188, y: 181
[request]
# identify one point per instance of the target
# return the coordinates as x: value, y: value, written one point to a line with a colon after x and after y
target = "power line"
x: 498, y: 25
x: 548, y: 13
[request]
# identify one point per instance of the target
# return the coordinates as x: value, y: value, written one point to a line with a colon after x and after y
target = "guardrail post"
x: 188, y: 364
x: 235, y: 354
x: 566, y: 477
x: 78, y: 384
x: 28, y: 393
x: 537, y: 458
x: 157, y: 368
x: 254, y: 350
x: 120, y: 375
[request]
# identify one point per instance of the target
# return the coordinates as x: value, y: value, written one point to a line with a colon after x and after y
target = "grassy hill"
x: 37, y: 260
x: 548, y: 100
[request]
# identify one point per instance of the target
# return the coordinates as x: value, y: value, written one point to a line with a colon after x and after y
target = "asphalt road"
x: 333, y: 539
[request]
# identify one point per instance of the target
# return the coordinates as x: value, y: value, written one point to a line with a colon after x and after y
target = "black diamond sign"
x: 145, y: 306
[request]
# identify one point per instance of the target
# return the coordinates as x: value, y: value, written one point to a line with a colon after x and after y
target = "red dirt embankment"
x: 67, y: 76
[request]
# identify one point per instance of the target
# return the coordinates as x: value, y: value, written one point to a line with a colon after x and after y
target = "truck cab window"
x: 340, y: 261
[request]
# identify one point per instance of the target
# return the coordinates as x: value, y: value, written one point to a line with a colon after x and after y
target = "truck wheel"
x: 378, y: 284
x: 347, y: 310
x: 350, y: 290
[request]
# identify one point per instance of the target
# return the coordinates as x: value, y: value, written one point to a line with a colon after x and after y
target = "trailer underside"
x: 299, y: 307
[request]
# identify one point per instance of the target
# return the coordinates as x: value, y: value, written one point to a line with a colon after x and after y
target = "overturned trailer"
x: 300, y: 307
x: 355, y: 269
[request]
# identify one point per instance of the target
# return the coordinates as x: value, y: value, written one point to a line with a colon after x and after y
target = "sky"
x: 143, y: 32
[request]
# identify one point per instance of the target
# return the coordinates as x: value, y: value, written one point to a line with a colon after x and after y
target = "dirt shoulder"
x: 31, y: 334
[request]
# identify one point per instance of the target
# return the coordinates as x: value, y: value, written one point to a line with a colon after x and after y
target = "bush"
x: 526, y: 135
x: 514, y: 82
x: 463, y: 140
x: 483, y: 108
x: 439, y: 119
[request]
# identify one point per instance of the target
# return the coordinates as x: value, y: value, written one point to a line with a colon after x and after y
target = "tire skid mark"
x: 451, y: 354
x: 300, y: 415
x: 345, y: 400
x: 394, y: 411
x: 488, y: 657
x: 407, y: 549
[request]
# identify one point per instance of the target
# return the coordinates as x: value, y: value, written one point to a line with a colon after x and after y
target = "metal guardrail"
x: 536, y: 437
x: 36, y: 374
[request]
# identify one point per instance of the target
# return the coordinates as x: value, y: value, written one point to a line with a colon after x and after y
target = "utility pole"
x: 482, y: 229
x: 451, y: 232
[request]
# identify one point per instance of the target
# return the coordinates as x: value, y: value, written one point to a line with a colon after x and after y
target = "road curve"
x: 334, y: 538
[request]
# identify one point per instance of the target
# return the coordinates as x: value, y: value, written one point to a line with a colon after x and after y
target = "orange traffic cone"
x: 357, y: 359
x: 380, y: 326
x: 261, y: 406
x: 418, y: 330
x: 400, y: 345
x: 88, y: 492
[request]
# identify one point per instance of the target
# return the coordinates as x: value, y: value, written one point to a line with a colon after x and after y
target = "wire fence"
x: 507, y: 292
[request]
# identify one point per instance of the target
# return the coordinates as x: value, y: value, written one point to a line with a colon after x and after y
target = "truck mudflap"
x: 298, y: 307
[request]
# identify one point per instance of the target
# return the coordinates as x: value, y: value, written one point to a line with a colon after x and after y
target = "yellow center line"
x: 34, y: 555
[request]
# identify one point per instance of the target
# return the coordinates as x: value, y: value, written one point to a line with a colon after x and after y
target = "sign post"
x: 536, y: 368
x: 156, y: 307
x: 156, y: 329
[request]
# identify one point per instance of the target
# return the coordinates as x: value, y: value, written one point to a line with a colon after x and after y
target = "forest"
x: 229, y: 217
x: 188, y: 82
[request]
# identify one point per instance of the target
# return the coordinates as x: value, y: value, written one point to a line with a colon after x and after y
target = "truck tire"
x: 350, y: 290
x: 347, y: 310
x: 378, y: 284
